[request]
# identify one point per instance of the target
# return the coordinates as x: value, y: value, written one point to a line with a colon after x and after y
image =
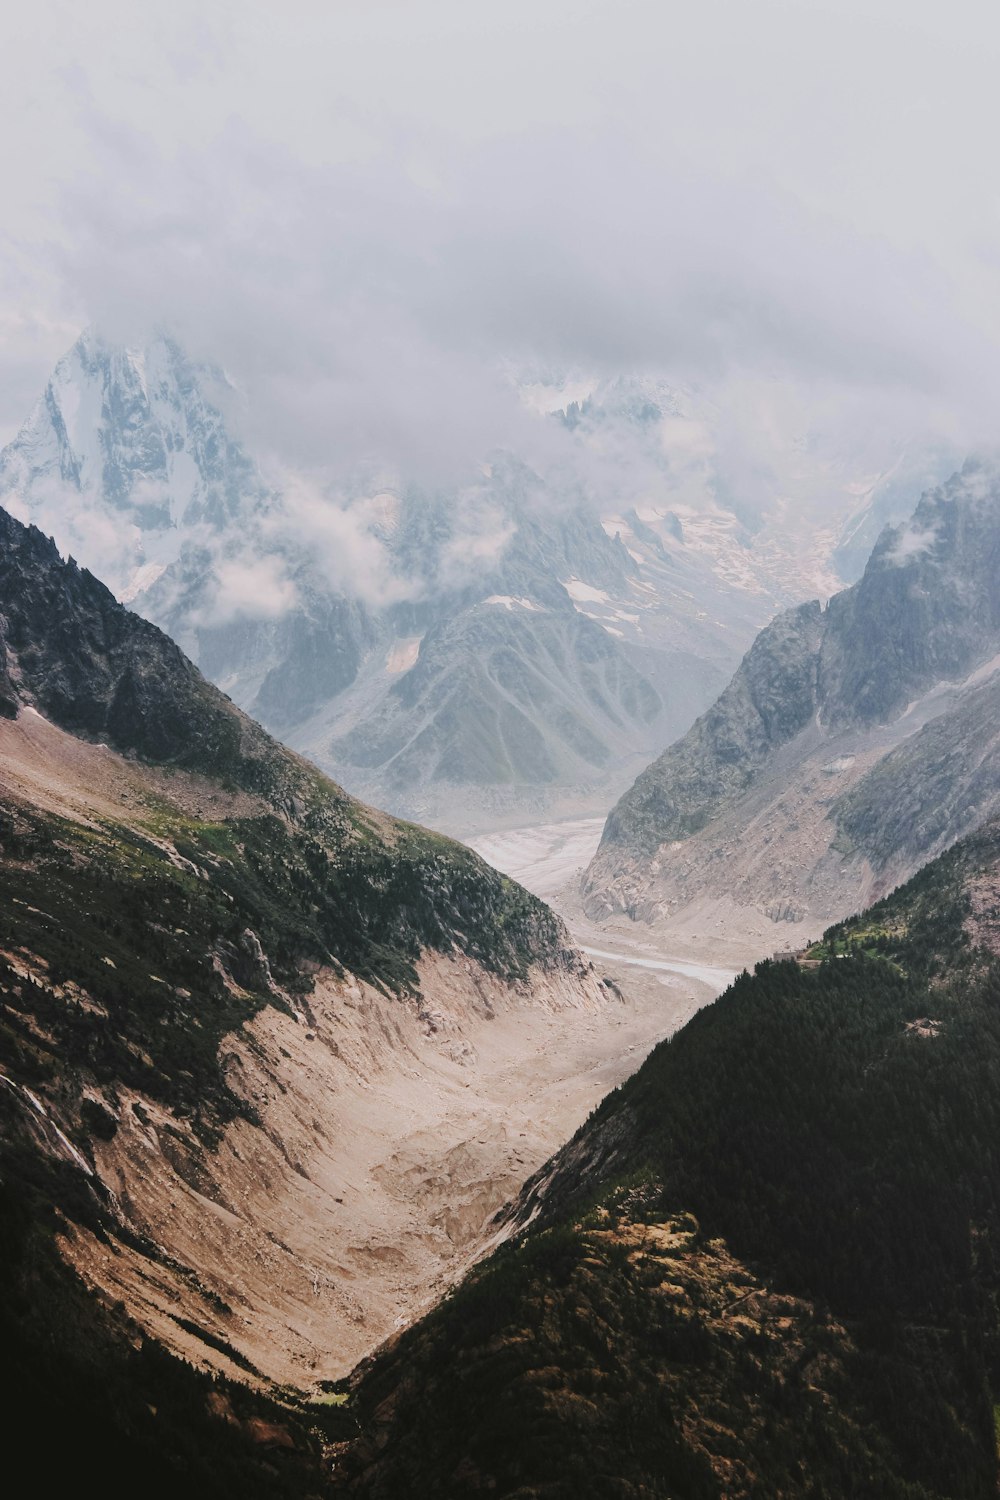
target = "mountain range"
x: 475, y: 657
x: 299, y: 1193
x: 765, y: 1263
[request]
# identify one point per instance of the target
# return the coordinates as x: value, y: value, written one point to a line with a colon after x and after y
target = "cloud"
x: 482, y: 530
x: 370, y: 213
x: 249, y: 587
x: 909, y: 542
x: 339, y: 539
x: 366, y: 318
x: 98, y: 538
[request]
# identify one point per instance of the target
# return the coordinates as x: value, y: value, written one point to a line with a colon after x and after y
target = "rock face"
x: 769, y: 701
x: 941, y: 782
x: 926, y: 610
x: 853, y: 742
x: 71, y: 651
x: 514, y: 690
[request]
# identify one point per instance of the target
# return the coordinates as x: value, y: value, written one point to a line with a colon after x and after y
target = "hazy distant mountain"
x: 126, y: 456
x: 518, y: 650
x: 854, y: 742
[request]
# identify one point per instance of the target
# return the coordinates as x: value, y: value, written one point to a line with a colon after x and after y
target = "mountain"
x: 765, y: 1266
x: 256, y: 1043
x: 769, y: 498
x: 241, y: 1012
x: 855, y: 741
x: 513, y: 648
x: 506, y: 697
x: 128, y: 451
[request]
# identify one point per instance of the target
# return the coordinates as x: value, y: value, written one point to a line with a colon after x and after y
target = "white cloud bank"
x: 364, y: 209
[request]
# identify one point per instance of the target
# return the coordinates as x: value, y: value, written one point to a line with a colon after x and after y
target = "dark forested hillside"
x: 769, y: 1263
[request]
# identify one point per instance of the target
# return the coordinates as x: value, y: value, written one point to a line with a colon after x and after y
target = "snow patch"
x: 403, y: 654
x: 513, y: 601
x: 582, y: 593
x: 142, y: 579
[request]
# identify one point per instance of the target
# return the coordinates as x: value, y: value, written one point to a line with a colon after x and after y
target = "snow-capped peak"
x: 123, y: 449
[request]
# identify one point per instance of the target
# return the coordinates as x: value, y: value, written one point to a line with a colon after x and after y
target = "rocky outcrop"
x: 940, y: 784
x: 926, y: 609
x: 84, y: 661
x: 769, y: 701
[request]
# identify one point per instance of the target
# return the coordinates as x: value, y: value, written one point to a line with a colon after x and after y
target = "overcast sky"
x: 364, y: 209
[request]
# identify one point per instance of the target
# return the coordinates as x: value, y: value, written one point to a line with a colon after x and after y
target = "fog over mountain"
x: 473, y: 654
x: 361, y: 216
x: 464, y: 394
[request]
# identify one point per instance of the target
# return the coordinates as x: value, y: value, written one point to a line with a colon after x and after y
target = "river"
x: 548, y: 859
